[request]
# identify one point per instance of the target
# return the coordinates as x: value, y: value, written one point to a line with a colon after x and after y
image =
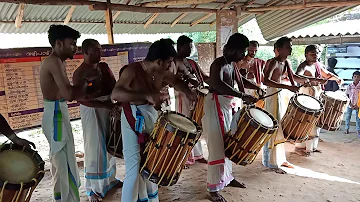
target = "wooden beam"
x: 201, y: 19
x: 139, y: 9
x: 321, y: 4
x: 304, y: 3
x: 20, y: 15
x: 52, y: 2
x: 109, y: 24
x: 175, y: 2
x: 225, y: 5
x: 69, y: 15
x: 151, y: 19
x: 181, y: 17
x: 249, y: 2
x: 119, y: 12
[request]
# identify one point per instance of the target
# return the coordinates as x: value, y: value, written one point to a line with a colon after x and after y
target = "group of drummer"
x: 138, y: 92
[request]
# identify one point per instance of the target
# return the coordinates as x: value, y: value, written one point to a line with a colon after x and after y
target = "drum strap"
x: 136, y: 126
x: 196, y: 70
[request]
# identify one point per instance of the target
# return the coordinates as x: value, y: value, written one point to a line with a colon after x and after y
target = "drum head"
x: 309, y: 102
x: 336, y: 95
x: 17, y: 166
x: 181, y: 122
x: 261, y: 117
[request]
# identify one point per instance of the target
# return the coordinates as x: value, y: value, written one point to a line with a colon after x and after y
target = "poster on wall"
x: 21, y: 101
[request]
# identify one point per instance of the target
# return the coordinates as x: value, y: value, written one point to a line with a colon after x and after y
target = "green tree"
x: 202, y: 37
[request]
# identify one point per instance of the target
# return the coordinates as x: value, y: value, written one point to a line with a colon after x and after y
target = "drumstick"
x: 270, y: 95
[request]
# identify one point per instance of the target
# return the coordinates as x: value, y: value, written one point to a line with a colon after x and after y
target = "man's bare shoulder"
x: 51, y: 62
x: 129, y: 70
x: 219, y: 62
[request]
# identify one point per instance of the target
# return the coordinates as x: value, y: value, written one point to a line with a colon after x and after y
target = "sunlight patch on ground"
x: 304, y: 172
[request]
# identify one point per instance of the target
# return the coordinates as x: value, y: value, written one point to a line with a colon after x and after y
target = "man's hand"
x: 294, y: 89
x: 340, y: 81
x: 248, y: 99
x: 23, y: 142
x: 153, y: 98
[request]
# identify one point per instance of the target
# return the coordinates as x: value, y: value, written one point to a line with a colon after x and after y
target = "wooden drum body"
x: 335, y: 104
x: 21, y: 170
x: 301, y: 116
x: 170, y: 144
x: 255, y: 127
x: 113, y: 140
x: 199, y: 107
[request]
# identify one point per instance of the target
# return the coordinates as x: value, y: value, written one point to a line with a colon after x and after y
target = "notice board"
x: 21, y: 101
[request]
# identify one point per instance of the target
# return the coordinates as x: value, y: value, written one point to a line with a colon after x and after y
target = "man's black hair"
x: 254, y: 43
x: 237, y: 41
x: 310, y: 48
x: 183, y: 40
x: 61, y: 32
x: 87, y: 44
x: 356, y: 73
x: 162, y: 49
x: 282, y: 41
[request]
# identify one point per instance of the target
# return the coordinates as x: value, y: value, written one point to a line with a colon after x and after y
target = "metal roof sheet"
x: 38, y: 18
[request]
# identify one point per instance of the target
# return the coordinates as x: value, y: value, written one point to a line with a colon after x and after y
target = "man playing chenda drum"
x: 190, y: 71
x: 218, y: 113
x: 100, y: 167
x: 138, y: 88
x: 311, y: 68
x: 277, y: 72
x: 56, y: 89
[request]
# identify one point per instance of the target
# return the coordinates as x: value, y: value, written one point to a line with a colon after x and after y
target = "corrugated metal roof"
x: 342, y: 28
x: 38, y: 18
x: 278, y: 23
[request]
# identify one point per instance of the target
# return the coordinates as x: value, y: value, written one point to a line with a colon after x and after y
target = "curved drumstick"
x: 262, y: 98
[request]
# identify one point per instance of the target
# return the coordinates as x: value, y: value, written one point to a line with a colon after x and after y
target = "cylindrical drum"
x: 113, y: 140
x: 335, y: 104
x: 21, y: 170
x: 251, y: 128
x: 198, y: 112
x: 171, y: 142
x: 301, y: 116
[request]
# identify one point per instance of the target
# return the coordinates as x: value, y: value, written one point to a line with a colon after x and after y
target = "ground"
x: 331, y: 176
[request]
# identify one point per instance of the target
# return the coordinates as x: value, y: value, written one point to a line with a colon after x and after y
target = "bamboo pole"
x: 109, y: 24
x: 180, y: 17
x: 20, y: 15
x: 69, y: 15
x: 151, y: 19
x: 175, y: 2
x: 228, y: 3
x: 119, y: 12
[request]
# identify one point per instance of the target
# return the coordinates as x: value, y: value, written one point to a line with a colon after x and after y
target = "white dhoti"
x: 274, y: 149
x: 100, y: 167
x: 216, y: 122
x: 312, y: 143
x: 183, y: 106
x: 135, y: 187
x: 57, y: 129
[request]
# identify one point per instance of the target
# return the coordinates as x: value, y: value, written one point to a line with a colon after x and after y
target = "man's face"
x: 239, y: 54
x: 312, y: 56
x: 252, y: 51
x: 285, y: 50
x: 164, y: 65
x: 67, y: 47
x: 185, y: 50
x: 94, y: 53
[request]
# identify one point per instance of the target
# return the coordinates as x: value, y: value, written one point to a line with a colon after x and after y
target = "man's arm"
x: 121, y: 92
x: 6, y: 130
x: 217, y: 82
x: 329, y: 75
x: 268, y: 81
x: 178, y: 84
x: 58, y: 71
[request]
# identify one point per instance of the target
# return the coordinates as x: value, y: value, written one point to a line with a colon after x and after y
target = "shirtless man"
x: 138, y: 89
x: 311, y: 68
x: 56, y: 90
x: 218, y: 113
x: 95, y: 119
x: 278, y: 70
x: 189, y: 70
x: 6, y: 130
